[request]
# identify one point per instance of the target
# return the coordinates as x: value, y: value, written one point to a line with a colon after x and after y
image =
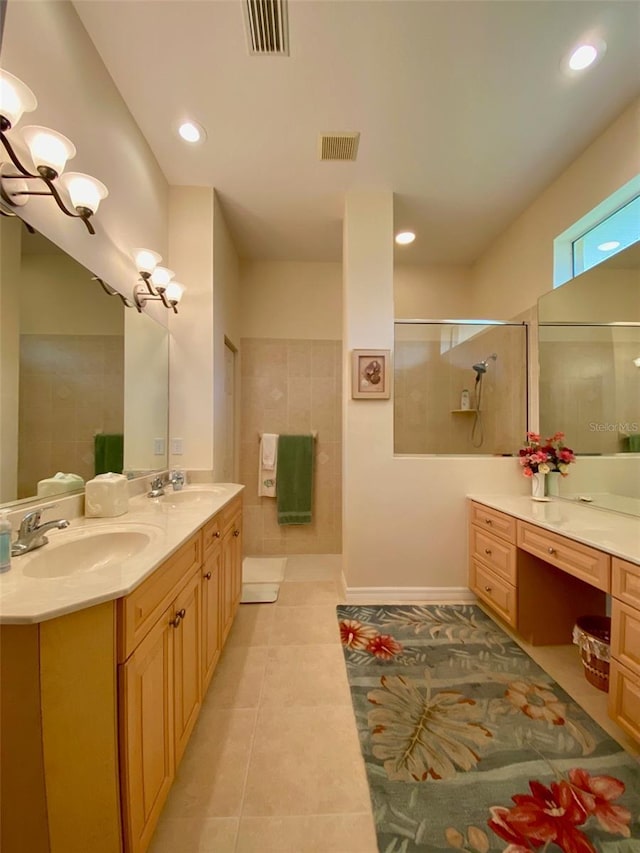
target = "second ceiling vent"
x: 267, y: 27
x: 338, y: 146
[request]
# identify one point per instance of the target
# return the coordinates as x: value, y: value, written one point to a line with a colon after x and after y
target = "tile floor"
x: 274, y: 764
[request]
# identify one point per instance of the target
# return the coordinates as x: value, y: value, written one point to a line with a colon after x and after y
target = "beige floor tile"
x: 204, y: 835
x: 305, y: 625
x: 237, y: 680
x: 313, y: 834
x: 305, y: 675
x: 313, y: 567
x: 252, y: 625
x: 305, y: 761
x: 308, y: 592
x: 210, y: 780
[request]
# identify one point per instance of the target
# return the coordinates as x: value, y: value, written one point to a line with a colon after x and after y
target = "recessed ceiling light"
x: 403, y: 238
x: 585, y: 55
x: 192, y: 132
x: 609, y: 246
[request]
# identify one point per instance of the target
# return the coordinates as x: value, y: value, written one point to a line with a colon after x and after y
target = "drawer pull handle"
x: 488, y: 521
x: 487, y: 551
x: 207, y: 577
x: 178, y: 618
x: 236, y: 533
x: 488, y: 589
x: 551, y: 550
x: 216, y: 535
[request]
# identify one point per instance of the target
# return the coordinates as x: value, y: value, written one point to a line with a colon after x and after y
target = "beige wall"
x: 596, y: 296
x: 431, y: 292
x: 46, y: 46
x: 518, y: 267
x: 10, y: 235
x: 292, y: 386
x: 291, y: 299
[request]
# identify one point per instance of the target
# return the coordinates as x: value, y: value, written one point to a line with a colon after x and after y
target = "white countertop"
x: 614, y: 533
x: 25, y: 599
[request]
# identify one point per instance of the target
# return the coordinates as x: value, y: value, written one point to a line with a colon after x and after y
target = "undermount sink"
x: 87, y: 551
x: 191, y: 496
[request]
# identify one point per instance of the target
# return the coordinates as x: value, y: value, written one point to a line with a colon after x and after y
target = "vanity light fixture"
x: 157, y: 281
x: 403, y: 238
x: 49, y: 152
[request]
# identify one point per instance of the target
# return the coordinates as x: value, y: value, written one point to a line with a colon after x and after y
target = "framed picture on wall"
x: 370, y: 374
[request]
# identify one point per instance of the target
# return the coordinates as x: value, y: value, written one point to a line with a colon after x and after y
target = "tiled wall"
x: 71, y: 386
x: 292, y: 386
x: 429, y: 378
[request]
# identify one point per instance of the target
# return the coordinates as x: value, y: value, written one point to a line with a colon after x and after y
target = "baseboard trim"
x: 423, y: 594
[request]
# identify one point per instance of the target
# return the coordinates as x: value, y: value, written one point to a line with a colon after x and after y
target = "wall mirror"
x: 589, y: 386
x: 74, y: 364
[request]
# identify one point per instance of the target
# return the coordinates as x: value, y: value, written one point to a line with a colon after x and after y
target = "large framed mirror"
x: 83, y: 380
x: 589, y: 386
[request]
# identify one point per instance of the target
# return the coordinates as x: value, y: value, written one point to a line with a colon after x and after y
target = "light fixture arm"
x: 142, y: 295
x: 111, y: 291
x: 46, y: 176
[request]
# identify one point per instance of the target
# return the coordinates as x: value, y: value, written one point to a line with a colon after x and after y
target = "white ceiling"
x: 463, y: 108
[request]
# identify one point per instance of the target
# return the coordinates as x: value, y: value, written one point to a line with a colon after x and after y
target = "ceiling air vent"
x: 339, y: 146
x: 267, y: 27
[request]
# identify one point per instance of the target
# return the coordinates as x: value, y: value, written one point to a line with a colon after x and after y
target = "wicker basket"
x: 592, y: 635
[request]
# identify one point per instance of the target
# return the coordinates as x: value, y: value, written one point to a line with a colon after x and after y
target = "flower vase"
x: 537, y: 486
x: 553, y: 483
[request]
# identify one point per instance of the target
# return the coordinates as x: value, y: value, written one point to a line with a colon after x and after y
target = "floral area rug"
x: 470, y: 745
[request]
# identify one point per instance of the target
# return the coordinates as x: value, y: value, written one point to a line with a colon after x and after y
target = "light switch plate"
x: 176, y: 446
x: 158, y: 446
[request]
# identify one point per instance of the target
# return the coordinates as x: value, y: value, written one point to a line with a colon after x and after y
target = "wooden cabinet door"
x: 236, y: 564
x: 226, y: 583
x: 187, y: 643
x: 211, y: 628
x: 147, y: 758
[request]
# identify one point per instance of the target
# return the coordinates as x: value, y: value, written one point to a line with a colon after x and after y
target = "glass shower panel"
x: 590, y: 386
x: 435, y: 363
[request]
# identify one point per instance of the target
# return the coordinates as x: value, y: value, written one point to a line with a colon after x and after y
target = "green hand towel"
x: 295, y: 479
x: 108, y: 453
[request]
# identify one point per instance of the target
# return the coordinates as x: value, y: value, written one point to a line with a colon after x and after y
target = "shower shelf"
x: 462, y: 411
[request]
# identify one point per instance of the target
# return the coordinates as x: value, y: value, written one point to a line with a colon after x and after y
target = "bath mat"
x: 259, y: 593
x: 468, y: 744
x: 263, y: 569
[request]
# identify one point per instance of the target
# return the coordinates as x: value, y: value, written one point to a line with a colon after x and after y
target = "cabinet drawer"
x: 625, y: 635
x: 495, y: 553
x: 497, y: 522
x: 496, y: 592
x: 625, y: 581
x: 624, y: 699
x: 211, y: 534
x: 139, y: 610
x: 581, y: 561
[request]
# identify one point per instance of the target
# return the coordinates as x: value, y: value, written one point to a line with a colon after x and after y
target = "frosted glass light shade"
x: 161, y: 277
x: 174, y: 291
x: 49, y: 149
x: 146, y: 260
x: 15, y: 98
x: 84, y: 191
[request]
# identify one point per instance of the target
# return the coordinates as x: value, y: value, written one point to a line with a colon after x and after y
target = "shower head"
x: 481, y: 366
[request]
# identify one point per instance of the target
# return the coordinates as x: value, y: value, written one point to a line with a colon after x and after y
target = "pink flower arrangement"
x: 553, y: 455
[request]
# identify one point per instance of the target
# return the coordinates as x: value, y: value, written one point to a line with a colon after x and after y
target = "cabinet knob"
x: 551, y: 550
x: 488, y: 589
x: 488, y: 521
x: 178, y: 618
x: 487, y: 550
x: 216, y: 535
x: 236, y: 533
x: 207, y: 577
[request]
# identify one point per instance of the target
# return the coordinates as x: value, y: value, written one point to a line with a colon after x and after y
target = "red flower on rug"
x: 384, y: 647
x: 595, y: 794
x: 544, y: 816
x: 355, y: 635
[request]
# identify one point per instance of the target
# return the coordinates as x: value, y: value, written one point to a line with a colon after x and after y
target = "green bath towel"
x: 108, y: 453
x: 295, y: 479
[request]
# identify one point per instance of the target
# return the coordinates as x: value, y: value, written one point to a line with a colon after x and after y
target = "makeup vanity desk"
x: 540, y: 565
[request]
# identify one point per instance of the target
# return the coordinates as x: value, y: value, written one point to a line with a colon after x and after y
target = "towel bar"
x: 314, y: 434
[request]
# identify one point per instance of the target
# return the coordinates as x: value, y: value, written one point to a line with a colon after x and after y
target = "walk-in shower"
x: 477, y: 430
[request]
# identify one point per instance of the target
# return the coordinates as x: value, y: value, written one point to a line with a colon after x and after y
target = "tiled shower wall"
x: 292, y: 386
x: 71, y: 386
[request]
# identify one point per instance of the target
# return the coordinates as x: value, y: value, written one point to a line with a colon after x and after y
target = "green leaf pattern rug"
x: 470, y: 745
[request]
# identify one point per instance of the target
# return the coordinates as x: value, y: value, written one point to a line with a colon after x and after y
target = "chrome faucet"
x: 31, y: 532
x: 177, y: 480
x: 157, y: 487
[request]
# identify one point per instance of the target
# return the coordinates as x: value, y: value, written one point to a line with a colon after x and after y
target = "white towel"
x: 267, y: 465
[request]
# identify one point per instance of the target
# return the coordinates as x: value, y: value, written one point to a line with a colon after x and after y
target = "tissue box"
x: 59, y: 483
x: 106, y: 496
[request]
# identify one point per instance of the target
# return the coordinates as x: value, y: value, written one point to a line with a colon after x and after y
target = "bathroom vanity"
x: 104, y: 671
x: 539, y: 566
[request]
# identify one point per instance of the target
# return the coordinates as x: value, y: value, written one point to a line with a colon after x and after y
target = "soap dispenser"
x: 5, y: 543
x: 465, y: 401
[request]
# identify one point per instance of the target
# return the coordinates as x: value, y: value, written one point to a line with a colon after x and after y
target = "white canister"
x: 106, y: 496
